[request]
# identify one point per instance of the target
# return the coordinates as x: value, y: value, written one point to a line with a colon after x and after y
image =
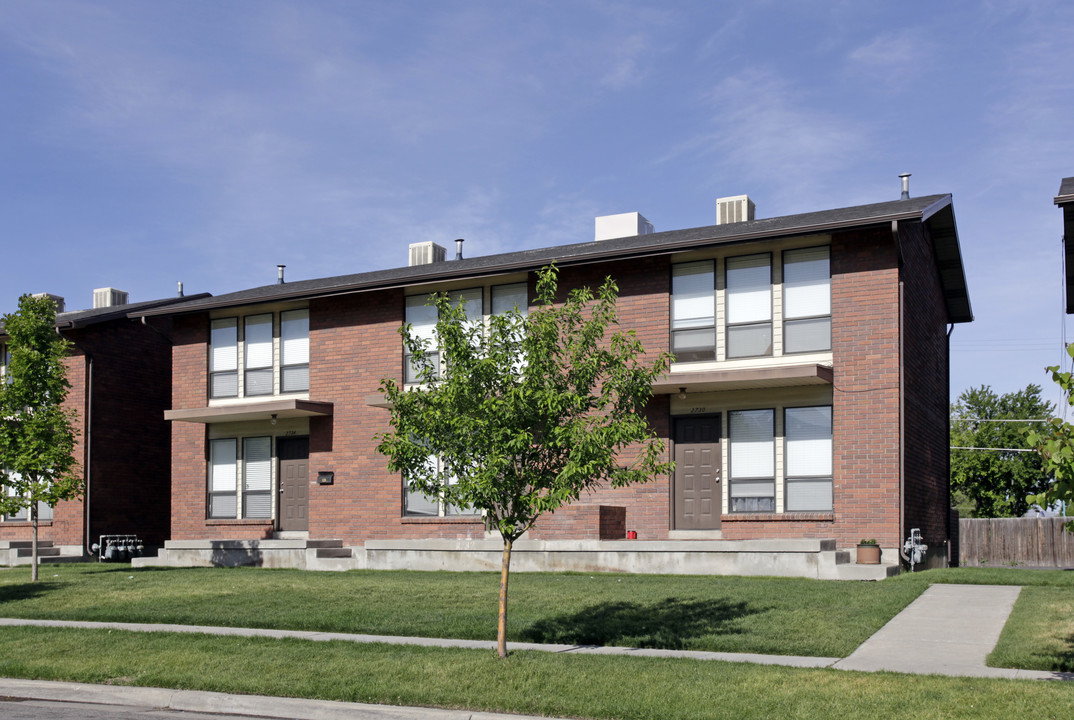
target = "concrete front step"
x: 20, y: 552
x: 41, y: 551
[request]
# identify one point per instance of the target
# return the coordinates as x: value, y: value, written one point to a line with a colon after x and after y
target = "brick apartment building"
x: 807, y: 408
x: 120, y: 376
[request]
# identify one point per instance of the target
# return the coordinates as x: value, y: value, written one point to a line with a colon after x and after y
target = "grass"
x: 769, y: 615
x: 787, y: 616
x: 527, y: 682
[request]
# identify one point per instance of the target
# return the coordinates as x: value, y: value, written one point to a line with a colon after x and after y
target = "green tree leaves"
x: 996, y: 478
x: 37, y: 440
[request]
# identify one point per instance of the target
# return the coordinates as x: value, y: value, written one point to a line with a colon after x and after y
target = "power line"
x: 953, y: 447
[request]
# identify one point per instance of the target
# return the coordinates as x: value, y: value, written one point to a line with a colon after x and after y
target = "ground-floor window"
x: 808, y: 458
x: 240, y: 481
x: 416, y: 504
x: 44, y: 510
x: 753, y: 460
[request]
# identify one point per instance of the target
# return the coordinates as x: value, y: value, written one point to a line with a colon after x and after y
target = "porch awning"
x: 743, y: 379
x: 241, y: 412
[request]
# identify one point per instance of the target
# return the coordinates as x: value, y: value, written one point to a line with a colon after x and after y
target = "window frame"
x: 242, y: 369
x: 241, y: 494
x: 789, y: 479
x: 734, y: 480
x: 792, y: 320
x: 443, y: 508
x: 702, y: 354
x: 44, y: 510
x: 730, y: 326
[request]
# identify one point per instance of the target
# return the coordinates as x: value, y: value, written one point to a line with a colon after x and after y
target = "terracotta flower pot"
x: 868, y: 554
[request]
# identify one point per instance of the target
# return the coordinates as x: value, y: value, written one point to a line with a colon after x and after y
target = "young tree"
x: 999, y: 475
x: 36, y: 436
x: 525, y: 413
x: 1055, y: 445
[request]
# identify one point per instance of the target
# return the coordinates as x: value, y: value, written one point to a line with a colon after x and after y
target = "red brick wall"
x: 865, y: 412
x: 926, y: 454
x: 129, y: 486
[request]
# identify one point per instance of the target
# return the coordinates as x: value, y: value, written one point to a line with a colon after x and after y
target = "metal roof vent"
x: 905, y: 186
x: 107, y: 297
x: 610, y: 227
x: 61, y: 306
x: 426, y: 253
x: 734, y: 209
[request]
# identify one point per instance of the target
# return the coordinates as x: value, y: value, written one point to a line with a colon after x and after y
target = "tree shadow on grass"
x: 670, y: 623
x: 24, y: 591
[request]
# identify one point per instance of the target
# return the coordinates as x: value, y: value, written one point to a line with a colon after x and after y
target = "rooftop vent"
x: 905, y: 186
x: 426, y: 253
x: 61, y: 306
x: 734, y: 209
x: 107, y: 297
x: 610, y: 227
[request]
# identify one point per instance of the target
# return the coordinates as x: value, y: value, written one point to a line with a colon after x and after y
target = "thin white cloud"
x: 762, y: 130
x: 893, y: 60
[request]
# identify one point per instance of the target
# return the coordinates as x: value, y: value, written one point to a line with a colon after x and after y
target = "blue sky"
x: 143, y: 143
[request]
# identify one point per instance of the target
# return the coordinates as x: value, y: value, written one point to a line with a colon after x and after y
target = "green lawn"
x: 527, y: 682
x: 768, y: 615
x: 788, y: 616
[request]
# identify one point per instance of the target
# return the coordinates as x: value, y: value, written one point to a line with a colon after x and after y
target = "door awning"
x: 241, y: 412
x: 743, y: 379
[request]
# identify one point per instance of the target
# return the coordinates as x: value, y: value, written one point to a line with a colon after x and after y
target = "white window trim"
x: 241, y: 358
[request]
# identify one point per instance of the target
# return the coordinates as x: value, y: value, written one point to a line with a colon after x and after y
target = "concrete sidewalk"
x: 948, y: 630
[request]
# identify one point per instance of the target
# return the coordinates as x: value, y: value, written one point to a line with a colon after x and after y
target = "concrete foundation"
x: 787, y: 558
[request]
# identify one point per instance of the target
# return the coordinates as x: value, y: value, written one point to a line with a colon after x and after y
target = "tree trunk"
x: 501, y: 626
x: 33, y: 545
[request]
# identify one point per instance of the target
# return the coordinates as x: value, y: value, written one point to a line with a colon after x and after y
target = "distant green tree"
x: 525, y: 414
x: 996, y: 479
x: 1055, y: 445
x: 37, y: 439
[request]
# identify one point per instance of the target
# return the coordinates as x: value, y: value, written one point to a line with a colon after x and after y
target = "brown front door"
x: 294, y: 483
x: 697, y: 489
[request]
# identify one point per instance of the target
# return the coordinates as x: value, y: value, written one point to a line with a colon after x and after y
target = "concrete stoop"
x: 294, y: 553
x: 20, y: 552
x: 816, y: 558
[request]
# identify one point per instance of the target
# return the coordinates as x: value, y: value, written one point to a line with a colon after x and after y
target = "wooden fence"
x: 1015, y: 542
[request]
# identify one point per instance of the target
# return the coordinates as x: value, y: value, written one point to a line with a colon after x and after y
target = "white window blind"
x: 509, y: 297
x: 295, y: 350
x: 806, y: 283
x: 257, y: 477
x: 421, y: 315
x: 808, y: 458
x: 749, y: 289
x: 257, y: 349
x: 693, y: 298
x: 471, y: 301
x: 809, y: 441
x: 223, y: 478
x: 752, y: 444
x: 224, y: 357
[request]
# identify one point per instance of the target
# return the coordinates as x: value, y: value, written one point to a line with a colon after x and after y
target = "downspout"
x: 902, y: 396
x: 947, y: 420
x: 89, y: 455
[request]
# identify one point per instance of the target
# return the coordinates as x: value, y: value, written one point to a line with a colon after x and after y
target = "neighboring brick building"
x: 808, y: 401
x: 120, y: 375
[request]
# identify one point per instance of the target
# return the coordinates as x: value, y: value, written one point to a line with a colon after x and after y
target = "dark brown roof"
x: 935, y: 210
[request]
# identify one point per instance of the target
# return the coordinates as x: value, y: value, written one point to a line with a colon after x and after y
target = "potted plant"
x: 868, y: 552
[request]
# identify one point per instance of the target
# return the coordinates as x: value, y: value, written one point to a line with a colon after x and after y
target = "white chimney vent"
x: 734, y: 209
x: 426, y: 253
x: 610, y: 227
x: 61, y: 306
x: 107, y: 297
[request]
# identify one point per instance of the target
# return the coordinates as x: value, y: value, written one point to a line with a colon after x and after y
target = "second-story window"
x: 272, y: 350
x: 421, y: 315
x: 749, y: 306
x: 294, y: 351
x: 807, y: 300
x: 693, y: 311
x: 258, y: 351
x: 224, y: 358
